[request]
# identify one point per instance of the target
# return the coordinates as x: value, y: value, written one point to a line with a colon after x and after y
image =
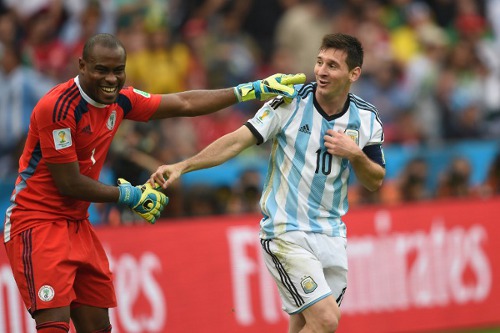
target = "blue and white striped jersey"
x: 306, y: 187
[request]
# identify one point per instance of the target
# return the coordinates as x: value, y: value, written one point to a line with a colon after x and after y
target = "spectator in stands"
x: 10, y: 28
x: 455, y: 180
x: 404, y: 37
x: 420, y: 77
x: 172, y: 57
x: 298, y: 31
x: 458, y: 93
x: 491, y: 185
x: 246, y: 193
x: 43, y: 48
x: 20, y: 89
x: 412, y: 184
x: 385, y: 90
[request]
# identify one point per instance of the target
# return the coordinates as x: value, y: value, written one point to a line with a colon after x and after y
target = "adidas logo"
x: 305, y: 129
x: 87, y: 129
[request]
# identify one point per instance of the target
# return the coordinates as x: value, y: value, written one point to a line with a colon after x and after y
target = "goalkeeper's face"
x: 102, y: 75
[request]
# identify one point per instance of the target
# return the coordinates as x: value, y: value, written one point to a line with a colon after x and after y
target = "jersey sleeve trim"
x: 63, y: 103
x: 124, y: 102
x: 255, y: 133
x: 375, y: 153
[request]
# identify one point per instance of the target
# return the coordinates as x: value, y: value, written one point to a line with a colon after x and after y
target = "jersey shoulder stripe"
x: 63, y: 102
x: 363, y: 105
x: 276, y: 102
x: 125, y: 103
x: 306, y: 89
x: 70, y: 101
x: 81, y: 109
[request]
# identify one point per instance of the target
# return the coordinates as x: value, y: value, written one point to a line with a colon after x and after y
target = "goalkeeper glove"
x: 144, y: 200
x: 275, y: 85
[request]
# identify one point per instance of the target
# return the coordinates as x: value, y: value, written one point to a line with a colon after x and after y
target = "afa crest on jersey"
x: 353, y: 134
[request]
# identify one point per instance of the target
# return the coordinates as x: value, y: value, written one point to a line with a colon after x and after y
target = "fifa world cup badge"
x: 62, y: 138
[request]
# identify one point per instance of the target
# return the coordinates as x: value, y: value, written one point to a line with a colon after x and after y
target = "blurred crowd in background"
x: 432, y: 68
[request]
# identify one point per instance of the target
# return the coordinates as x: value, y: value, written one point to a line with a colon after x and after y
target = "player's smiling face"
x: 333, y: 76
x: 102, y: 76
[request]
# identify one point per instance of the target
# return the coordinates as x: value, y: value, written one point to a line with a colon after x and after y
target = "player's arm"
x: 144, y: 200
x: 200, y: 102
x: 368, y: 172
x: 218, y: 152
x: 71, y: 183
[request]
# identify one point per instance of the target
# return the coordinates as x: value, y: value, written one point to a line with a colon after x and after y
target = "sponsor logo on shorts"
x: 46, y: 293
x: 308, y: 284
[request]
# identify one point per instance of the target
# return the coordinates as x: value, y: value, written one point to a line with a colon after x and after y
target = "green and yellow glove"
x: 275, y: 85
x: 144, y: 200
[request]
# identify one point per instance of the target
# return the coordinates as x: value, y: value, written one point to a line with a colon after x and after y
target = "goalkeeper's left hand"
x: 144, y: 200
x: 275, y: 85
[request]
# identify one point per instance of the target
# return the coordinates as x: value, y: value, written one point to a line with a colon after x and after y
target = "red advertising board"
x: 412, y: 268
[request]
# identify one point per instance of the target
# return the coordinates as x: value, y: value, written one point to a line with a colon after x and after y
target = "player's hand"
x: 166, y: 175
x: 144, y: 200
x: 340, y: 144
x: 274, y: 85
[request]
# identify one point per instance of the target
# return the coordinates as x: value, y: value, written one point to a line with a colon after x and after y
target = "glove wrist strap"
x: 237, y: 93
x: 127, y: 195
x: 246, y: 91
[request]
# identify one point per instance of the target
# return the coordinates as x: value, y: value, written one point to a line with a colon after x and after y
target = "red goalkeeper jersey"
x: 67, y: 126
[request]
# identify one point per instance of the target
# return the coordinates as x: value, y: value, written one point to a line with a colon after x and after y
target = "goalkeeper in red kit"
x: 59, y: 264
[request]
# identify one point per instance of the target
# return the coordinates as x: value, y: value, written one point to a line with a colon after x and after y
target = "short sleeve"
x: 141, y: 105
x: 268, y: 121
x: 57, y: 139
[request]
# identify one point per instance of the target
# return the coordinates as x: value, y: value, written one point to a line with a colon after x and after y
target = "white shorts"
x: 307, y: 267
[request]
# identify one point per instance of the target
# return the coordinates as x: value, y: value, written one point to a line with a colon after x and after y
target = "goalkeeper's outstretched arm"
x: 199, y: 102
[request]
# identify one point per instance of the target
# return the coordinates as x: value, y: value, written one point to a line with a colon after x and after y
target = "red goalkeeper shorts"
x: 56, y: 264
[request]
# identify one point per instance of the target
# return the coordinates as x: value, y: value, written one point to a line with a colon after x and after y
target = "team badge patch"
x: 353, y: 134
x: 111, y: 120
x: 142, y: 93
x: 62, y: 138
x: 46, y: 293
x: 308, y: 284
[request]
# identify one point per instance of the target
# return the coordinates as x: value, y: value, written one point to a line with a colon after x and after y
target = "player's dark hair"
x: 351, y: 45
x: 106, y: 40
